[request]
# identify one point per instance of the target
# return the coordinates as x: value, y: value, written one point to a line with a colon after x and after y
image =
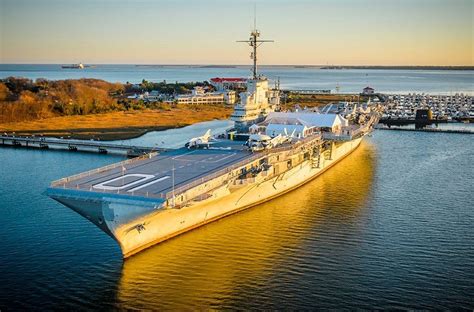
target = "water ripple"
x: 390, y: 227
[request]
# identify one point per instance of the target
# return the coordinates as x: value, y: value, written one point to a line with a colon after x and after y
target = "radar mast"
x: 254, y: 42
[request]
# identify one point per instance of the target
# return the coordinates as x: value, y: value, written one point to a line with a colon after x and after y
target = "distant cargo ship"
x: 74, y: 66
x: 146, y: 200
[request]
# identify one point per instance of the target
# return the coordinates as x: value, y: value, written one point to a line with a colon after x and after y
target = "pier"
x: 77, y: 145
x: 309, y: 92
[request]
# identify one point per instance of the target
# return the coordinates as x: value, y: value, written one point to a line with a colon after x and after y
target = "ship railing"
x: 66, y: 180
x: 244, y: 181
x: 292, y: 148
x: 348, y: 134
x: 289, y: 147
x: 337, y: 137
x: 122, y: 192
x: 213, y: 175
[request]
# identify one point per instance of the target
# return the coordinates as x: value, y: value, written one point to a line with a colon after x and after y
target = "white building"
x: 230, y: 96
x: 153, y: 96
x: 199, y: 96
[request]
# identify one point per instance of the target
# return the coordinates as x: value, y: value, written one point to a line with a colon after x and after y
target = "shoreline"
x: 122, y: 125
x: 100, y: 134
x: 113, y: 126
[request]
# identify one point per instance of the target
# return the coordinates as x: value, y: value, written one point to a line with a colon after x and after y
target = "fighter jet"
x: 202, y: 141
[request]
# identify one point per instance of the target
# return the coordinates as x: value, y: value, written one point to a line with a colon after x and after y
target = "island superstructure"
x: 146, y: 200
x: 259, y: 99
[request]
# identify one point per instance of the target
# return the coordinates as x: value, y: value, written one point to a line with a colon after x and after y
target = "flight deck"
x: 159, y: 174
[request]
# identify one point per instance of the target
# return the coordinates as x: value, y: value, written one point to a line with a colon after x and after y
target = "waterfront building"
x: 230, y: 96
x: 153, y: 96
x: 368, y: 91
x: 200, y: 96
x: 223, y: 84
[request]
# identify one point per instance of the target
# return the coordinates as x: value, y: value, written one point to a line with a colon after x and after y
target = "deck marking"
x: 149, y: 183
x: 182, y: 155
x: 220, y: 159
x: 103, y: 186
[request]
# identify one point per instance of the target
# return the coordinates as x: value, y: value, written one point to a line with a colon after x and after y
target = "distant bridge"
x: 77, y: 145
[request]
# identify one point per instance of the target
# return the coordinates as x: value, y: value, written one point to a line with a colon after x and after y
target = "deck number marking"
x: 104, y: 186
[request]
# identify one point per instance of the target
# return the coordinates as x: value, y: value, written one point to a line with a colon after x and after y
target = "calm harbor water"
x: 348, y: 80
x: 175, y: 138
x: 388, y: 227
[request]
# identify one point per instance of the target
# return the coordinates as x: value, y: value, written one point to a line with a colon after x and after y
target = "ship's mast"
x: 254, y: 42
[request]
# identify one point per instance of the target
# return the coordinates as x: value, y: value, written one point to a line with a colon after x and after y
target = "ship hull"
x: 168, y: 223
x: 137, y: 224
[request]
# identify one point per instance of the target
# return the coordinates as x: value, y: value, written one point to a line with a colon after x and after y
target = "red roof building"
x: 222, y: 84
x: 217, y: 80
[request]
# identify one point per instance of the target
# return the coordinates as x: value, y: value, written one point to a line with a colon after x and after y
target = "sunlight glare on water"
x: 224, y: 263
x: 388, y: 227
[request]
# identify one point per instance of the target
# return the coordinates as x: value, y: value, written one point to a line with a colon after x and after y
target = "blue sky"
x: 353, y: 32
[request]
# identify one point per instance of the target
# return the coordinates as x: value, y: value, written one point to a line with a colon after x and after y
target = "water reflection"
x: 223, y: 263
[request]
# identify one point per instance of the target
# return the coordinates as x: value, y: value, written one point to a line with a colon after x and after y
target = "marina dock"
x: 403, y: 109
x: 77, y: 145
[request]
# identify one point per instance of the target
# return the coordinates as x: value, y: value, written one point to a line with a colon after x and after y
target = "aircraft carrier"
x: 145, y: 200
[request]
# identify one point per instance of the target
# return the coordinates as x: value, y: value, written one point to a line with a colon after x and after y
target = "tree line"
x: 166, y: 88
x: 23, y: 99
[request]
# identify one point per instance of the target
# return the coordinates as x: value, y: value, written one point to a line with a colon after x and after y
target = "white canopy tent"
x: 302, y: 122
x: 275, y: 129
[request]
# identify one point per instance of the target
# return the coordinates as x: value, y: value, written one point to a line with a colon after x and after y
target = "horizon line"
x: 241, y: 65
